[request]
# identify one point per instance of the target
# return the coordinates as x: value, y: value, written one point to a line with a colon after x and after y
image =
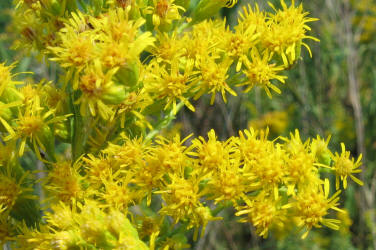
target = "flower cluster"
x: 107, y: 179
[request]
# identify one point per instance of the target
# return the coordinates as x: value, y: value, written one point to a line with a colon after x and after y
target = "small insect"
x: 231, y: 3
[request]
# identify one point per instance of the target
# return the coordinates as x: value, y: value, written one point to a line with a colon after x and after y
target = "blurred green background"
x: 332, y: 93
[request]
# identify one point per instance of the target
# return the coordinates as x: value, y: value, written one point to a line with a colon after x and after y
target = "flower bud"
x: 128, y: 75
x: 208, y: 8
x: 114, y: 95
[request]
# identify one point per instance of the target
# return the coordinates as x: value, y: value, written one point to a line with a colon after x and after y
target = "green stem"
x: 80, y: 131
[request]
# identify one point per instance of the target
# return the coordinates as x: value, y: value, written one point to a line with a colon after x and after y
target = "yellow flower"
x: 54, y: 97
x: 168, y: 47
x: 229, y: 184
x: 199, y: 49
x: 252, y: 19
x: 212, y: 154
x: 172, y: 156
x: 300, y: 168
x: 239, y: 42
x: 6, y: 80
x: 171, y: 83
x: 319, y: 148
x: 130, y: 155
x: 99, y: 91
x: 98, y: 169
x: 260, y: 72
x: 286, y: 30
x: 64, y: 182
x: 182, y: 200
x: 313, y: 204
x: 213, y: 78
x: 344, y: 167
x: 118, y: 193
x: 13, y: 188
x: 164, y: 12
x: 263, y: 160
x: 7, y: 228
x: 75, y: 50
x: 263, y: 212
x: 122, y: 40
x: 33, y: 126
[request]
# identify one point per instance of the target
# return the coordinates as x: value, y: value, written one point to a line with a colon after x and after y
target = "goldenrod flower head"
x: 182, y: 197
x: 346, y: 221
x: 252, y: 144
x: 114, y: 54
x: 263, y: 212
x: 9, y: 191
x: 238, y: 44
x: 168, y: 47
x: 13, y: 188
x: 54, y: 97
x: 171, y: 83
x: 76, y: 49
x: 319, y: 148
x: 202, y: 216
x: 8, y: 92
x: 130, y: 110
x: 6, y: 77
x: 171, y: 155
x: 148, y: 225
x: 229, y: 184
x: 30, y: 94
x: 98, y: 169
x: 34, y: 126
x: 286, y: 30
x: 31, y: 30
x: 300, y: 167
x: 345, y: 166
x: 313, y: 204
x: 118, y: 194
x: 64, y: 182
x: 131, y: 154
x: 118, y: 27
x: 7, y: 229
x: 213, y: 78
x: 88, y: 227
x: 263, y: 161
x: 199, y: 49
x: 212, y: 154
x: 252, y: 18
x: 98, y: 91
x: 6, y: 116
x: 62, y: 217
x: 164, y: 12
x: 260, y: 72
